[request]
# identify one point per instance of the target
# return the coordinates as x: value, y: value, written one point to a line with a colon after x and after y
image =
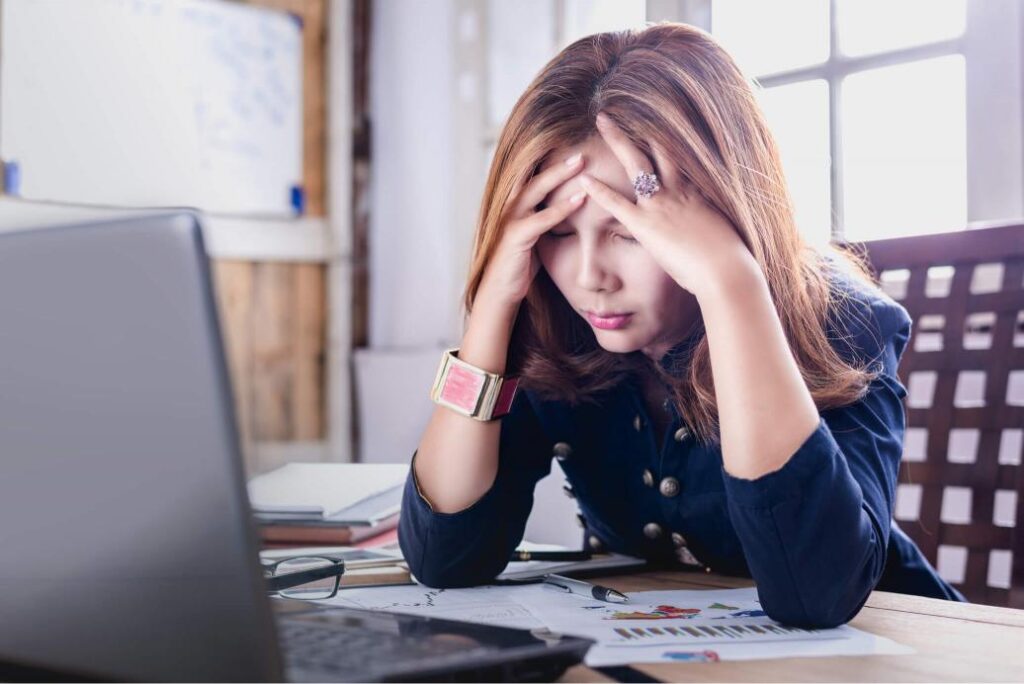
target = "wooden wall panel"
x: 273, y: 316
x: 233, y: 283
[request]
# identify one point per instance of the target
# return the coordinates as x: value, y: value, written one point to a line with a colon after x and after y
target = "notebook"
x: 530, y: 570
x: 330, y: 493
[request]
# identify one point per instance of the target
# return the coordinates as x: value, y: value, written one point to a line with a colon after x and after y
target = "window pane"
x: 904, y: 149
x: 766, y: 37
x: 870, y: 26
x: 585, y: 17
x: 798, y: 117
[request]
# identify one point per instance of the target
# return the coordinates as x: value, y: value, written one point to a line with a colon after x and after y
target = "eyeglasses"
x: 304, y: 577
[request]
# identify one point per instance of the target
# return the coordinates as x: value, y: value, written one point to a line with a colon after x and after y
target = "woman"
x: 719, y: 394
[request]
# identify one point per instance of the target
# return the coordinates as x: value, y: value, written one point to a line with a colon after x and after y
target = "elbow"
x: 833, y: 604
x: 449, y: 568
x: 449, y: 575
x: 444, y: 578
x: 818, y: 616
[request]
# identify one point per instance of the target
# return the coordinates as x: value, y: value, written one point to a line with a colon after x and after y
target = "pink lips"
x: 611, y: 321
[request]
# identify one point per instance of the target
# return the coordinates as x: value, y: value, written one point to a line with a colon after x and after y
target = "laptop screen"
x: 127, y: 549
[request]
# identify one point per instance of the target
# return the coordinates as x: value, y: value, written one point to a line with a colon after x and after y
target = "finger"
x: 627, y: 213
x: 547, y: 180
x: 666, y: 168
x: 633, y: 160
x: 544, y: 220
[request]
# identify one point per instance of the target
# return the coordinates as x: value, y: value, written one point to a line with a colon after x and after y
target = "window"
x: 886, y: 111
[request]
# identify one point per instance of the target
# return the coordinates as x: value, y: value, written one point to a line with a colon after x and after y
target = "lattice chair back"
x: 961, y: 491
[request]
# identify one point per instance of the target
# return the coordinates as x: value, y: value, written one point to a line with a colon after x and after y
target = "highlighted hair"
x: 674, y: 85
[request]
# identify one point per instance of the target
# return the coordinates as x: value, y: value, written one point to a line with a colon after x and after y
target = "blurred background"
x: 337, y: 149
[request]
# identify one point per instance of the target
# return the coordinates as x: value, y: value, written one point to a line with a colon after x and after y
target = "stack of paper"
x: 327, y: 502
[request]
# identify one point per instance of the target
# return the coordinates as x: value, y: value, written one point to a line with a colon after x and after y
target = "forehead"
x: 599, y: 162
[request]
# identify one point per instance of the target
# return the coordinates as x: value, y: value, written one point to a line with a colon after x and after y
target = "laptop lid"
x: 126, y: 546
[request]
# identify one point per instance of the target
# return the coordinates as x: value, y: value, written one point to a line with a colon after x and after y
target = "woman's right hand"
x: 514, y: 263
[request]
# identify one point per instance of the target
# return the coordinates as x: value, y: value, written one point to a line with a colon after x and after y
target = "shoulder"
x: 864, y: 324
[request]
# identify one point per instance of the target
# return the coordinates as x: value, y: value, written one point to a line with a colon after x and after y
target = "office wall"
x: 272, y: 273
x: 274, y: 314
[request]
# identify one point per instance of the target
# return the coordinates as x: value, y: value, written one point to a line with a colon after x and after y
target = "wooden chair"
x: 961, y: 491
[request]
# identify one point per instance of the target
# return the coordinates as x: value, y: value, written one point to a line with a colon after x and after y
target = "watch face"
x: 462, y: 388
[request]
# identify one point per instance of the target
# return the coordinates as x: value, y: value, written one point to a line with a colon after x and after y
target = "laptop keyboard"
x: 338, y: 648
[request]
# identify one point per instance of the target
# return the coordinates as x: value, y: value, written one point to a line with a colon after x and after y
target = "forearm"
x: 765, y: 409
x: 814, y: 545
x: 457, y: 459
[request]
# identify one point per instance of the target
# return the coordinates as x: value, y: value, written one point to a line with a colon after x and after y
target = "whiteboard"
x: 143, y: 103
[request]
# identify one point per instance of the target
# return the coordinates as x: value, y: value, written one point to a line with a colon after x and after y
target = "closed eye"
x: 624, y: 238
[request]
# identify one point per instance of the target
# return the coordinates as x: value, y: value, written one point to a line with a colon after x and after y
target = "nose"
x: 594, y: 274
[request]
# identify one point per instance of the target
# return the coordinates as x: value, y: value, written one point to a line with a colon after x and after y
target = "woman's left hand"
x: 694, y: 243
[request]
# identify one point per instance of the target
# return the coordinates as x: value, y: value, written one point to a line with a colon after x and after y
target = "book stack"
x: 328, y: 503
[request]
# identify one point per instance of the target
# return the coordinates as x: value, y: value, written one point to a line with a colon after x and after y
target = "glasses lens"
x: 323, y: 577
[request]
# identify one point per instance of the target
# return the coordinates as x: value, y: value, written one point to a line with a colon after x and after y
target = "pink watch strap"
x: 505, y: 397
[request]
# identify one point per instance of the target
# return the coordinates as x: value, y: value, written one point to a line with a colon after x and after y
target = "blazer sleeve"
x: 815, y: 533
x: 472, y: 546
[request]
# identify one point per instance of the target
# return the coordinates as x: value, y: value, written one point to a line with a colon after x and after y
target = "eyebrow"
x: 603, y: 224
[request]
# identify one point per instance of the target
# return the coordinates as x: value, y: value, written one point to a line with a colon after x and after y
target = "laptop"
x: 127, y: 545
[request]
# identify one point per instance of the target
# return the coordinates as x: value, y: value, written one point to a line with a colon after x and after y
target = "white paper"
x: 727, y: 622
x: 534, y: 606
x: 492, y: 605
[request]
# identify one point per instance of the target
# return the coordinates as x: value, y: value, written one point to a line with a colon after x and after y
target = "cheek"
x: 555, y: 258
x: 647, y: 277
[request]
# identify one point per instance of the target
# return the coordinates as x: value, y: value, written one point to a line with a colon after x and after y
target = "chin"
x: 617, y: 343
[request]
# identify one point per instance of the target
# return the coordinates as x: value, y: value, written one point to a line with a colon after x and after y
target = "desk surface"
x: 960, y: 642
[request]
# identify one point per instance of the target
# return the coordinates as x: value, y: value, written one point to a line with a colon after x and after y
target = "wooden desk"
x: 955, y: 642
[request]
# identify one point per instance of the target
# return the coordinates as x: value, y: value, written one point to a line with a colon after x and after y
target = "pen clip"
x: 555, y: 584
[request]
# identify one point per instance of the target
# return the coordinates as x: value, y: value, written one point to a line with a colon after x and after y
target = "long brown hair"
x: 670, y: 84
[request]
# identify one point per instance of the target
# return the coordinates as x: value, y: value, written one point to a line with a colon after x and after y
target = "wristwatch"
x: 472, y: 391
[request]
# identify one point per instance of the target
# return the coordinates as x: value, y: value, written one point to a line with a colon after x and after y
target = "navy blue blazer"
x: 816, y: 536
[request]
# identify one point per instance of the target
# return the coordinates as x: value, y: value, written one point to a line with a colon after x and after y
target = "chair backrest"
x: 961, y: 481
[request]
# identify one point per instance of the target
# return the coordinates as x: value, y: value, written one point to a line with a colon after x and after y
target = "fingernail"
x: 577, y: 198
x: 585, y: 181
x: 574, y: 159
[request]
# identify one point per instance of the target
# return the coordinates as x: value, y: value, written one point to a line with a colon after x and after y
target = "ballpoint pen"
x: 574, y: 586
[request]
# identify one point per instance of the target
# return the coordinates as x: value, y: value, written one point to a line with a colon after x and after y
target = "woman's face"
x: 600, y: 269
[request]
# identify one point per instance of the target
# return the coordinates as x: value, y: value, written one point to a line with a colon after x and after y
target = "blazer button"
x: 562, y: 450
x: 638, y: 423
x: 681, y: 434
x: 594, y: 542
x: 648, y: 478
x: 652, y: 530
x: 678, y: 540
x: 568, y: 491
x: 669, y: 487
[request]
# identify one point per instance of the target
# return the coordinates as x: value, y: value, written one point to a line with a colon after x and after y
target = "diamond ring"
x: 645, y: 185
